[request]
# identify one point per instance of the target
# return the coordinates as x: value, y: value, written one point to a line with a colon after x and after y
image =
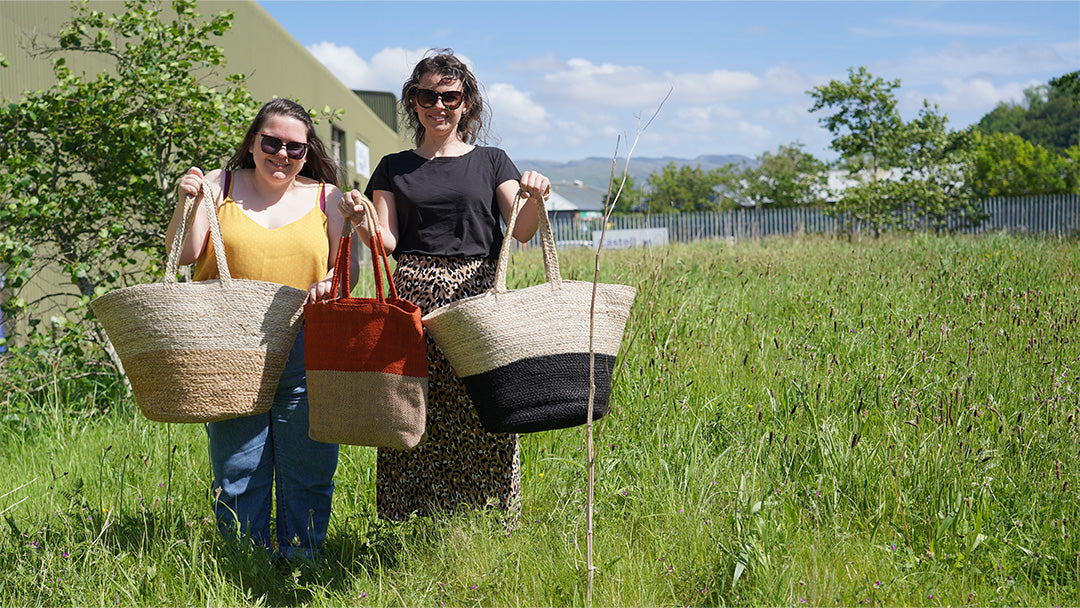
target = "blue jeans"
x: 252, y: 455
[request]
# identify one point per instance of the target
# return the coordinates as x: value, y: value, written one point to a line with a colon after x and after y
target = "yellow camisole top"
x: 295, y: 254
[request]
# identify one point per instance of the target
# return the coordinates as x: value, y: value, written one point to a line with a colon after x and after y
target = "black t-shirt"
x: 446, y: 206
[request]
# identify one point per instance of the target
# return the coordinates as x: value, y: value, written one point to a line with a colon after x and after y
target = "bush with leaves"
x: 88, y: 166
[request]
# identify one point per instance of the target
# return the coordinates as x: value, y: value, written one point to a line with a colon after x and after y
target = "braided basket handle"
x: 189, y: 204
x: 339, y: 286
x: 547, y: 242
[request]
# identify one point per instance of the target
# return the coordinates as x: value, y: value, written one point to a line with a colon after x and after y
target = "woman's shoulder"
x: 499, y: 157
x: 215, y: 178
x: 401, y: 155
x: 306, y: 183
x: 491, y: 151
x: 397, y: 163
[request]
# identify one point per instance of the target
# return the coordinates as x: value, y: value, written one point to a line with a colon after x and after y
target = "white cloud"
x: 967, y: 95
x: 959, y: 60
x: 607, y: 85
x: 784, y: 79
x: 951, y: 29
x: 386, y: 71
x: 717, y: 85
x: 532, y: 65
x: 344, y: 63
x: 579, y: 81
x: 753, y: 135
x: 715, y: 127
x: 786, y: 115
x: 895, y: 27
x: 516, y: 112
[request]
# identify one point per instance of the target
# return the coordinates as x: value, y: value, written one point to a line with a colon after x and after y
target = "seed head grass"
x: 797, y: 421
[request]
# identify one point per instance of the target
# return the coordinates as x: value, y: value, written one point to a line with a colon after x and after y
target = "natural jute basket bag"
x: 367, y: 366
x: 206, y: 350
x: 523, y: 354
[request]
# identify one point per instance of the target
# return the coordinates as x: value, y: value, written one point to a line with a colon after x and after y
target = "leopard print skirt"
x: 458, y: 463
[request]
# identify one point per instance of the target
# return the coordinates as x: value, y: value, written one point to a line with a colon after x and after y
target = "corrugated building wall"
x: 257, y: 46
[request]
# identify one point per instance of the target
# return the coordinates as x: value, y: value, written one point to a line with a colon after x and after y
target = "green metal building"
x: 366, y: 131
x: 364, y: 134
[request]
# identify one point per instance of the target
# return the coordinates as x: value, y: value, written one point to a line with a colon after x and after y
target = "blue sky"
x: 565, y: 79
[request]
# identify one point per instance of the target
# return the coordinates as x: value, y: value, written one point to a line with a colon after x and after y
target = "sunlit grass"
x: 794, y: 422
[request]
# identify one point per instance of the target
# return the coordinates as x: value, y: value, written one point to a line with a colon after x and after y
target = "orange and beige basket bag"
x: 206, y: 350
x: 367, y: 365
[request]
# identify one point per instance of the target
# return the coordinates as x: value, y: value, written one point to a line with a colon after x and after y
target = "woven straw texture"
x: 366, y: 359
x: 202, y: 351
x: 537, y: 337
x: 492, y: 330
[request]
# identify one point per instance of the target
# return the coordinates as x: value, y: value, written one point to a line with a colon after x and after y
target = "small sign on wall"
x: 363, y: 159
x: 624, y: 239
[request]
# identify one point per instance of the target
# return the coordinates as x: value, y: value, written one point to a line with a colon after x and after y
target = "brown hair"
x: 318, y: 164
x: 444, y: 63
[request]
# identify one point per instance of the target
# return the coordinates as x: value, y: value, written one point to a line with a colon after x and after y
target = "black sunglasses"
x: 450, y: 99
x: 293, y: 149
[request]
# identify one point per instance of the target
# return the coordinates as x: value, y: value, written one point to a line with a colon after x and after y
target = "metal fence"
x: 1057, y: 215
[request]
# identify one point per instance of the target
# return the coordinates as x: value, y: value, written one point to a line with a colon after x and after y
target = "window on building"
x: 363, y: 159
x: 337, y: 149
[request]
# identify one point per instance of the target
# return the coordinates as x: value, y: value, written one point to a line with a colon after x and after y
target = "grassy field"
x: 795, y: 422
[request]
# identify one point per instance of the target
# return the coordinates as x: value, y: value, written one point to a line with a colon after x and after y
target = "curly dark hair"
x: 318, y: 164
x: 444, y: 63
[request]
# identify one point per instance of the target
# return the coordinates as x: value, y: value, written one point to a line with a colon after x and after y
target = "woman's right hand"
x: 189, y: 184
x: 352, y: 207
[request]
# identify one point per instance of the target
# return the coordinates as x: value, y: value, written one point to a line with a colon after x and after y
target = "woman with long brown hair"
x: 277, y: 206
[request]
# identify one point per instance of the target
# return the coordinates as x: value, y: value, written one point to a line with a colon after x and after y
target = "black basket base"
x: 540, y: 393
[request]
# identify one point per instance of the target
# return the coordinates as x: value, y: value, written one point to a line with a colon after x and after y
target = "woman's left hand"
x: 535, y: 185
x: 321, y: 289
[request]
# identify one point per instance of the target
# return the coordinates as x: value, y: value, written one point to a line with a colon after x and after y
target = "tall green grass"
x: 794, y: 421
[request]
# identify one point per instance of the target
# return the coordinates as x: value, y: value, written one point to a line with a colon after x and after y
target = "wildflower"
x: 363, y: 594
x: 473, y: 587
x: 878, y: 584
x: 34, y: 544
x: 65, y: 554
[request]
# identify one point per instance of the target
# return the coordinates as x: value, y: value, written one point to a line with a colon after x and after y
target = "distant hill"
x: 596, y: 171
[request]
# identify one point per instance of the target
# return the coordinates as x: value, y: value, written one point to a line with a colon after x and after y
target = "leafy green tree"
x: 88, y: 166
x: 789, y: 177
x: 1006, y: 164
x: 1068, y: 84
x: 898, y: 170
x: 1071, y: 169
x: 933, y: 171
x: 1048, y: 116
x: 673, y: 189
x: 630, y: 198
x: 866, y: 129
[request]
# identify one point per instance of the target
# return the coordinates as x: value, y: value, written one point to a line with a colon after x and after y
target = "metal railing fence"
x: 1057, y: 215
